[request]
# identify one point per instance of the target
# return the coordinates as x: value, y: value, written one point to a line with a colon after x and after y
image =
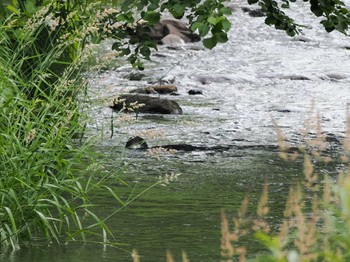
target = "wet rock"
x: 174, y: 27
x: 189, y: 148
x: 253, y: 12
x: 172, y: 39
x: 165, y: 80
x: 206, y: 80
x: 301, y: 38
x: 297, y: 77
x: 195, y: 92
x: 156, y: 89
x: 175, y: 47
x: 140, y: 143
x: 136, y: 142
x: 233, y: 6
x: 135, y: 76
x: 335, y: 76
x: 332, y: 138
x: 223, y: 78
x: 289, y: 77
x: 164, y: 89
x: 146, y: 104
x: 284, y: 111
x: 143, y: 90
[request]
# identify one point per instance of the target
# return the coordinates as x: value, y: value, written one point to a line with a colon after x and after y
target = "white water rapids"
x: 248, y: 82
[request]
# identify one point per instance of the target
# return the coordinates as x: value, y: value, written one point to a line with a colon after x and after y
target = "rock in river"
x: 156, y: 89
x: 146, y: 104
x: 136, y: 142
x: 193, y: 92
x: 178, y: 30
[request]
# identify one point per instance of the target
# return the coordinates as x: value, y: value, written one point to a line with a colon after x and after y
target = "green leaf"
x: 270, y: 20
x: 13, y: 9
x: 214, y: 20
x: 124, y: 18
x: 344, y: 11
x: 316, y: 10
x: 126, y: 5
x: 334, y: 19
x: 210, y: 43
x: 225, y: 11
x: 221, y: 37
x: 152, y: 7
x: 178, y: 10
x: 226, y: 25
x: 291, y: 32
x: 134, y: 40
x: 30, y: 8
x: 203, y: 28
x: 329, y: 29
x: 145, y: 51
x: 152, y: 17
x: 327, y: 23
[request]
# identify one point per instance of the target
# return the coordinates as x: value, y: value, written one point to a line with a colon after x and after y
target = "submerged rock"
x: 253, y: 12
x: 195, y: 92
x: 135, y: 76
x: 156, y: 89
x: 144, y: 90
x: 189, y: 148
x: 136, y: 142
x: 146, y: 104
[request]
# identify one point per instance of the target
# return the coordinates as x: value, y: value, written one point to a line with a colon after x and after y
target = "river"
x: 260, y: 76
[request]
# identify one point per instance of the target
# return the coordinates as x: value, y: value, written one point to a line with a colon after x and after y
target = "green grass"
x: 47, y: 175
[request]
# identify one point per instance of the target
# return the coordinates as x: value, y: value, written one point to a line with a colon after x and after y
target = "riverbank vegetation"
x: 315, y: 226
x: 44, y: 189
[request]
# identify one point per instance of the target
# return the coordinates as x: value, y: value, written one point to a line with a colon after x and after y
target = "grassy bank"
x: 46, y: 172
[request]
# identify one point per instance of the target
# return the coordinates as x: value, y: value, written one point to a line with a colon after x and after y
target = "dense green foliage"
x: 123, y: 23
x: 44, y: 191
x: 335, y: 14
x: 127, y: 21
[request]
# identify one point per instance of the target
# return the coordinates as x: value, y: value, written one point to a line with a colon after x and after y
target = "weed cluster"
x: 315, y: 226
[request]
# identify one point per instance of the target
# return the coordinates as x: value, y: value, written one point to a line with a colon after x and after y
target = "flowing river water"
x: 259, y: 77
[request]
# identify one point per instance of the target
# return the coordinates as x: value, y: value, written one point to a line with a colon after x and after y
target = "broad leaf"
x: 210, y: 43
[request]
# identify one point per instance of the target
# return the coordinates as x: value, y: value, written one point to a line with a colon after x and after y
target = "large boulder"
x: 172, y: 39
x: 178, y: 30
x: 146, y: 104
